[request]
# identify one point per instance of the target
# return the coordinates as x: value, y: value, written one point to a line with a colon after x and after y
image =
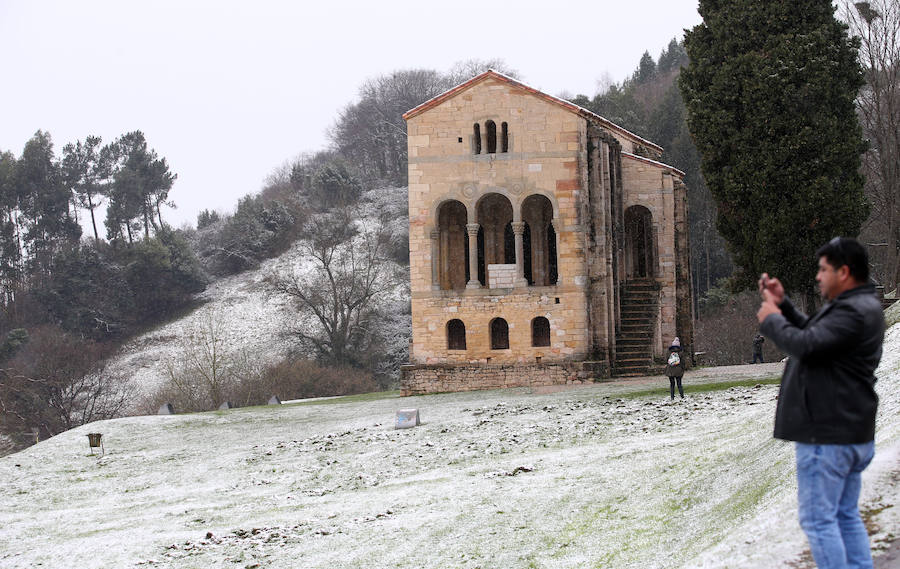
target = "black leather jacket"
x: 827, y: 392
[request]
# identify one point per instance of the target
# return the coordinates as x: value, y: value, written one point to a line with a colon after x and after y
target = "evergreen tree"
x: 672, y: 58
x: 86, y: 168
x: 44, y: 204
x: 10, y: 242
x: 646, y: 70
x: 770, y: 92
x: 141, y: 183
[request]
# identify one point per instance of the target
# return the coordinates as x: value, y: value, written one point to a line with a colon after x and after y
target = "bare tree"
x: 55, y: 382
x: 206, y: 368
x: 338, y: 296
x: 877, y: 25
x: 372, y: 133
x: 462, y: 71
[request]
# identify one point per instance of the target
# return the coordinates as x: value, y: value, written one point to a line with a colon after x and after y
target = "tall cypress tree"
x: 770, y: 96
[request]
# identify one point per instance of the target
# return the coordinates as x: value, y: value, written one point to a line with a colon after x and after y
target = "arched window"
x: 476, y: 139
x: 499, y: 334
x: 496, y: 242
x: 456, y: 335
x: 491, y: 128
x: 453, y: 261
x: 540, y: 331
x: 504, y: 137
x: 541, y: 267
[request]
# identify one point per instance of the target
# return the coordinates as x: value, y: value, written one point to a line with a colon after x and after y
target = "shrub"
x: 300, y: 379
x: 53, y: 381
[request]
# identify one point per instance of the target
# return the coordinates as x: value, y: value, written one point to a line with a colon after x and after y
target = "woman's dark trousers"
x: 672, y: 381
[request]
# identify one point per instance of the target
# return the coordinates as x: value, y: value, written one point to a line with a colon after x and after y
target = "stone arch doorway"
x: 453, y: 259
x: 640, y: 257
x: 539, y: 241
x: 496, y: 241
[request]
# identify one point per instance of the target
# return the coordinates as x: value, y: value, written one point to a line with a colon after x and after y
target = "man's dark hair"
x: 842, y: 251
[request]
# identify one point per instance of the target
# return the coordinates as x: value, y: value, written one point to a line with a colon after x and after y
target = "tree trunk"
x: 93, y: 219
x: 706, y: 250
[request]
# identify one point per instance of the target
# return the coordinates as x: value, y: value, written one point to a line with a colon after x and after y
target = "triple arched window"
x: 499, y: 333
x: 457, y: 263
x: 489, y: 142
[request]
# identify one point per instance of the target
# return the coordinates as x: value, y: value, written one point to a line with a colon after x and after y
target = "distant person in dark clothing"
x: 827, y: 402
x: 675, y: 368
x: 757, y: 348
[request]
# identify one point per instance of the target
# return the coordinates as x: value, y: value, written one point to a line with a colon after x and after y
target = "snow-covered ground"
x: 585, y: 477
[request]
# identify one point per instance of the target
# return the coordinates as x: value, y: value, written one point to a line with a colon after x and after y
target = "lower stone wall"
x: 422, y: 379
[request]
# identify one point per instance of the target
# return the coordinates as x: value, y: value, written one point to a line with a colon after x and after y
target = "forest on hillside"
x: 69, y: 300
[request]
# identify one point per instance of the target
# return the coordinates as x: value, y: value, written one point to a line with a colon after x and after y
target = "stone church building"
x: 547, y: 244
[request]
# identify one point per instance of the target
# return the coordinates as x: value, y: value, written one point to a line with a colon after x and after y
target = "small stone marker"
x: 226, y: 405
x: 166, y: 409
x: 407, y: 418
x: 274, y: 400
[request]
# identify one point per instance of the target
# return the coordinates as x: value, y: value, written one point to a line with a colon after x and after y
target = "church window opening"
x: 639, y: 257
x: 496, y: 240
x: 539, y: 241
x: 453, y: 246
x: 504, y: 137
x: 509, y: 245
x: 456, y: 335
x: 499, y: 334
x: 490, y: 128
x: 540, y: 332
x: 476, y: 139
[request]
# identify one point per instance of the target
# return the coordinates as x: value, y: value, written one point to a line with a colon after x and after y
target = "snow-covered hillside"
x: 584, y: 477
x: 257, y: 322
x: 253, y: 321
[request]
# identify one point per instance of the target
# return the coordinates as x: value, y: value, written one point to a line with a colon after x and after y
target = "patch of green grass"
x: 745, y: 500
x: 702, y: 387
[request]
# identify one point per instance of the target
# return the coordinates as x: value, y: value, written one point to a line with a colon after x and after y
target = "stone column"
x: 435, y: 259
x: 518, y: 228
x: 472, y: 230
x: 556, y: 226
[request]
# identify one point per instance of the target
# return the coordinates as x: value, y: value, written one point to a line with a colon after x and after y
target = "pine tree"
x: 770, y: 96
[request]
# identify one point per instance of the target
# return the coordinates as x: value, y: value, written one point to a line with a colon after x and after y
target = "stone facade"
x: 445, y: 378
x: 528, y: 215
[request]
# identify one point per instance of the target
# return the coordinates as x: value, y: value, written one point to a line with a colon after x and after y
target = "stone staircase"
x: 634, y: 350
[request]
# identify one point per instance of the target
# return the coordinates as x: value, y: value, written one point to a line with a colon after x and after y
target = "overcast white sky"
x: 228, y: 91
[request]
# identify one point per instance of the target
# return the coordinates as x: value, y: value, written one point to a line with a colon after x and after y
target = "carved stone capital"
x: 472, y: 229
x: 518, y: 227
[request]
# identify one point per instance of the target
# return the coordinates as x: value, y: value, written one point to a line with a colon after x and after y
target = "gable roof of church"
x: 571, y: 107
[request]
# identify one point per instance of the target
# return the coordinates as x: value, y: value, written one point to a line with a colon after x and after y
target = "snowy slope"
x: 585, y: 477
x: 254, y: 322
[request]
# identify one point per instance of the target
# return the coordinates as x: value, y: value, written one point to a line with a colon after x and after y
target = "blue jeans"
x: 828, y: 484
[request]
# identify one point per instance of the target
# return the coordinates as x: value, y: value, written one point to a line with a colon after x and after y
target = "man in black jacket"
x: 827, y: 402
